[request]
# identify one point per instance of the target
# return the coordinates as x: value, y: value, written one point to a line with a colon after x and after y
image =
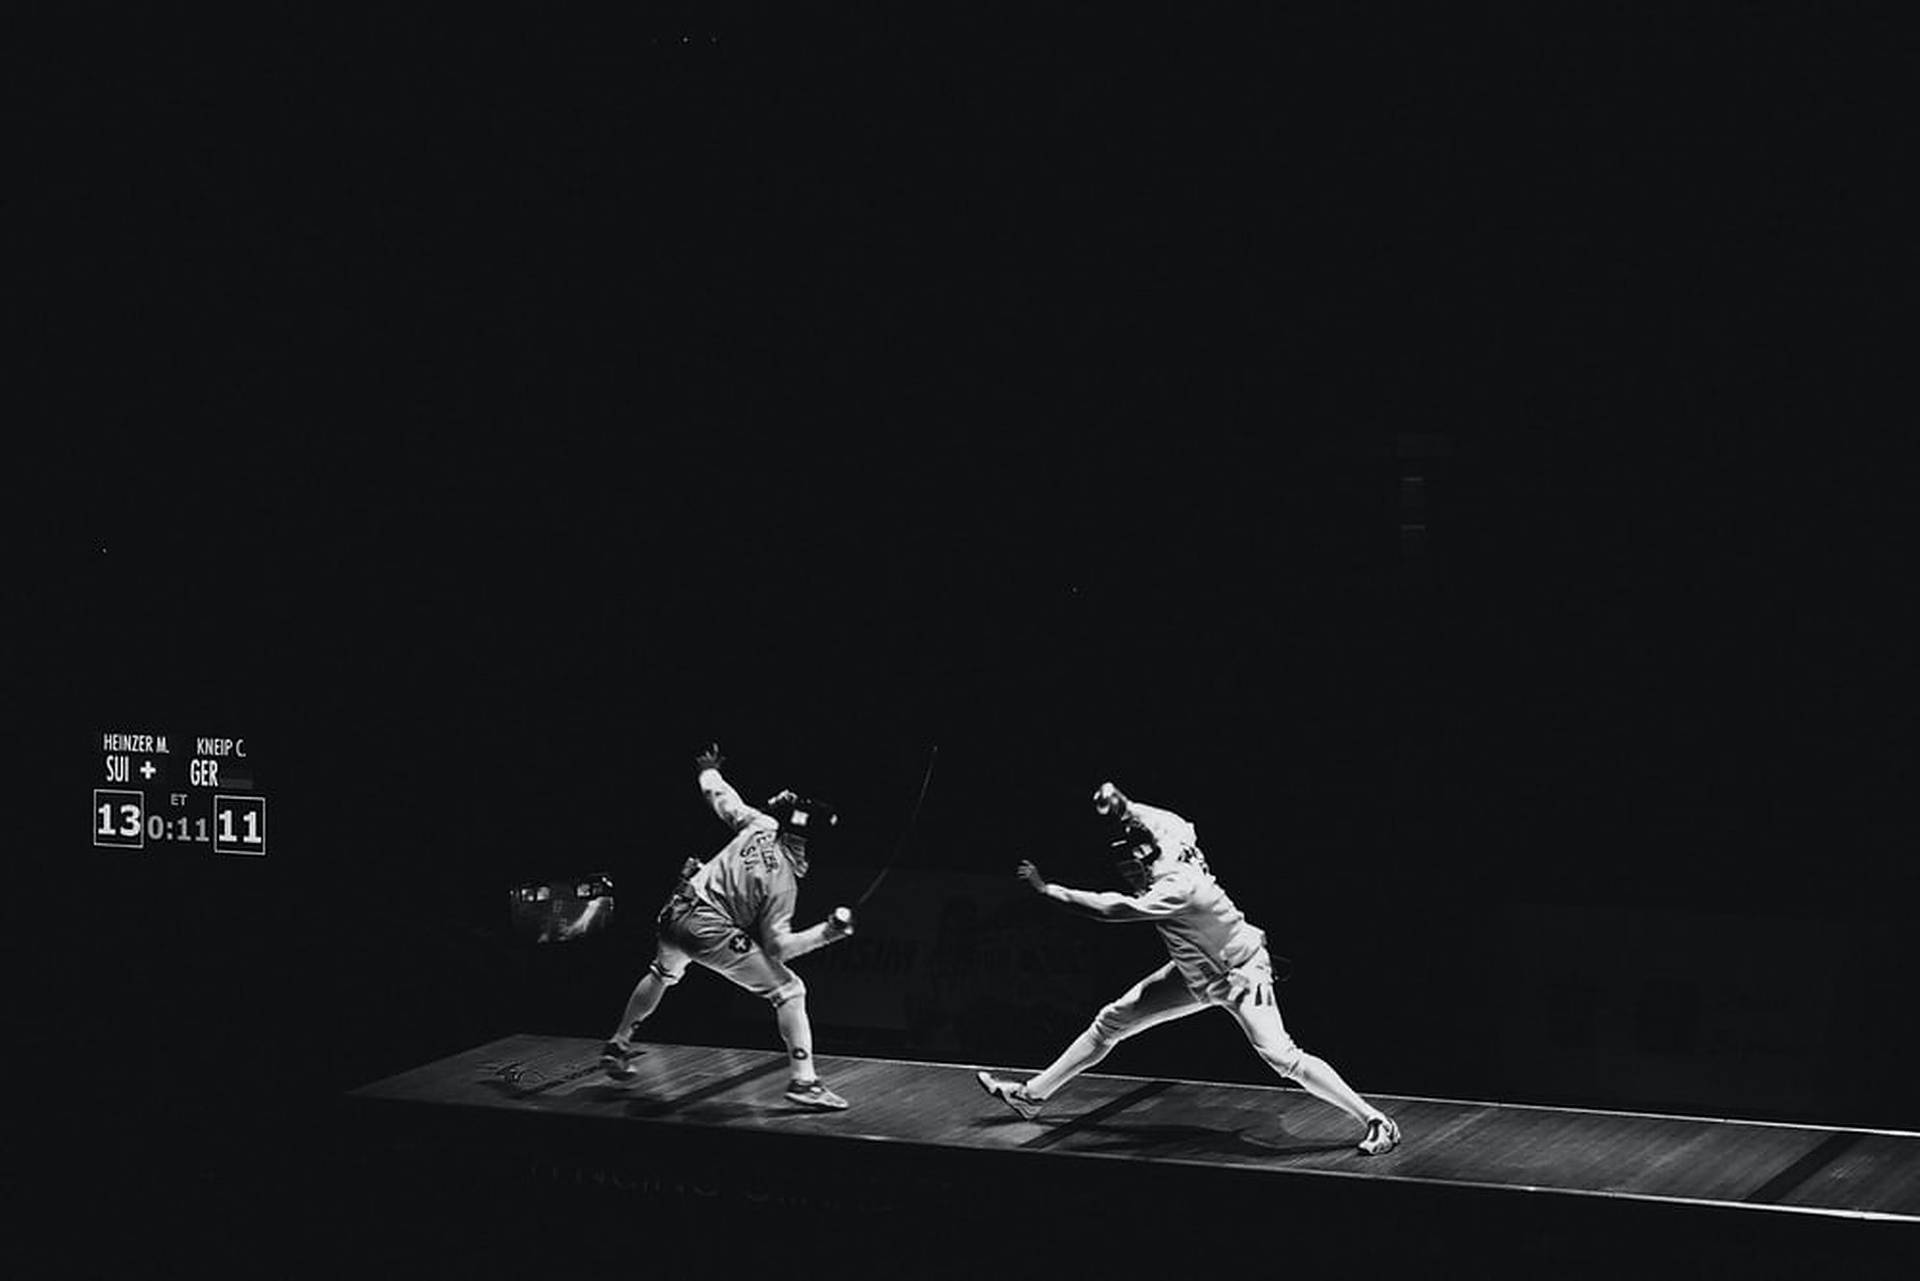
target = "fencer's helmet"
x: 1133, y: 853
x: 802, y: 819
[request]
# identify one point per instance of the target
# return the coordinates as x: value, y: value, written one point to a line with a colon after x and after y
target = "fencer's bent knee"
x: 1284, y: 1058
x: 1112, y: 1023
x: 665, y: 975
x: 792, y: 990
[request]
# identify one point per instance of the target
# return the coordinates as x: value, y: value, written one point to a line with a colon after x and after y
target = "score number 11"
x: 252, y: 821
x: 239, y: 825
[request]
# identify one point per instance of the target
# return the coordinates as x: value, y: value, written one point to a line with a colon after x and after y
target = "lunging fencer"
x: 733, y: 914
x: 1217, y: 959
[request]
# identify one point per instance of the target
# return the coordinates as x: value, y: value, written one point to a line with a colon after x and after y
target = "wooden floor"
x: 1258, y: 1132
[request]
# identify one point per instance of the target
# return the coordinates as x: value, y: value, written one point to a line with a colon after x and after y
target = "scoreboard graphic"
x: 181, y: 792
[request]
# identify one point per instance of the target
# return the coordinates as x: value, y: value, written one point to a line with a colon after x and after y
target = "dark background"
x: 481, y: 417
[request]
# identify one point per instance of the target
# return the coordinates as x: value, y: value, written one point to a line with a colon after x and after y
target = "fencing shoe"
x: 1382, y: 1136
x: 616, y: 1060
x: 1012, y: 1093
x: 815, y: 1095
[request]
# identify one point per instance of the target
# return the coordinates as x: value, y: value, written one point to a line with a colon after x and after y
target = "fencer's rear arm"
x: 726, y: 802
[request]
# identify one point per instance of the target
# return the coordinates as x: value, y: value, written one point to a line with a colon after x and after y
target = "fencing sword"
x: 901, y: 845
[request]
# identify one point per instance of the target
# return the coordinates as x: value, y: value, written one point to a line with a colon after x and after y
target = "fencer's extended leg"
x: 1081, y: 1053
x: 747, y: 965
x: 796, y: 1030
x: 1260, y: 1020
x: 806, y: 1088
x: 667, y: 968
x: 1156, y: 999
x: 1025, y: 1098
x: 641, y: 1005
x: 1318, y: 1078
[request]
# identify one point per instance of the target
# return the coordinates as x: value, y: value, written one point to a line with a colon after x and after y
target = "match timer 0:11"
x: 179, y: 790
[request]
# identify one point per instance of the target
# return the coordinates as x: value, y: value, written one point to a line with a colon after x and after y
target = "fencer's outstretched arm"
x: 1105, y: 905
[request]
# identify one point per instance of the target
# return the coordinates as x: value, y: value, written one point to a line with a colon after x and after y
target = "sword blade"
x: 906, y: 833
